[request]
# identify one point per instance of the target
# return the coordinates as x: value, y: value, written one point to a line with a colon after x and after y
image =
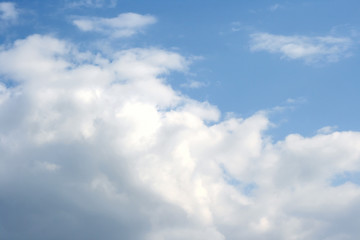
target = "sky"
x: 169, y: 120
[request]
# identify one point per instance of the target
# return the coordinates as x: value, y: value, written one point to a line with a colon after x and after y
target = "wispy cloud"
x: 274, y: 7
x: 237, y: 26
x: 309, y: 49
x: 8, y: 11
x: 327, y: 130
x: 92, y: 3
x: 124, y: 25
x: 193, y: 84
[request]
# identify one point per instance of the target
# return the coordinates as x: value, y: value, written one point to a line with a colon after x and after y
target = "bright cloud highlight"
x: 124, y: 25
x: 309, y: 49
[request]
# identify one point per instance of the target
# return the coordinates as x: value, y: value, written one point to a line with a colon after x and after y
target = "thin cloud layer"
x: 275, y: 7
x: 309, y: 49
x: 193, y: 84
x: 124, y: 25
x: 8, y: 11
x: 91, y: 3
x: 103, y: 147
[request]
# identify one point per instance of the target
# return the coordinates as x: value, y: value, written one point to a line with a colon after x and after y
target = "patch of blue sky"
x: 245, y: 188
x: 8, y: 83
x: 340, y: 179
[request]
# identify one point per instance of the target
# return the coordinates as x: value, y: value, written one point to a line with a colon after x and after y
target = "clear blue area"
x: 237, y: 80
x: 353, y: 177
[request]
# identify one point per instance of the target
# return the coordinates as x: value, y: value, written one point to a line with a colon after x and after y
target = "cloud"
x: 274, y: 7
x: 193, y: 84
x: 91, y: 3
x: 309, y: 49
x: 124, y: 25
x: 8, y: 11
x: 327, y: 129
x: 100, y: 147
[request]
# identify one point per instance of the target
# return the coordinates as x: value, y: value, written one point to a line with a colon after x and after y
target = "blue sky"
x: 176, y: 120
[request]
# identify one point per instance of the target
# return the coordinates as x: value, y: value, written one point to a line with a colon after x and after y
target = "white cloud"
x: 8, y: 11
x: 124, y: 25
x: 95, y: 147
x: 309, y: 49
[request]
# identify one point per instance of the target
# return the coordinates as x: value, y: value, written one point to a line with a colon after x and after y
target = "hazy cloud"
x: 327, y: 130
x: 193, y: 84
x: 124, y: 25
x: 91, y: 3
x: 8, y: 11
x: 309, y: 49
x: 274, y: 7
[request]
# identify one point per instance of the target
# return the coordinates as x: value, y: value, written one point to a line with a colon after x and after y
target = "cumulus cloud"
x: 309, y: 49
x: 124, y: 25
x: 8, y: 11
x: 96, y: 147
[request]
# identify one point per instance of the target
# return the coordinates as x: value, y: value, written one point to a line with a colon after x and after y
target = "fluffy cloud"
x: 8, y: 11
x: 309, y: 49
x: 102, y: 147
x: 124, y: 25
